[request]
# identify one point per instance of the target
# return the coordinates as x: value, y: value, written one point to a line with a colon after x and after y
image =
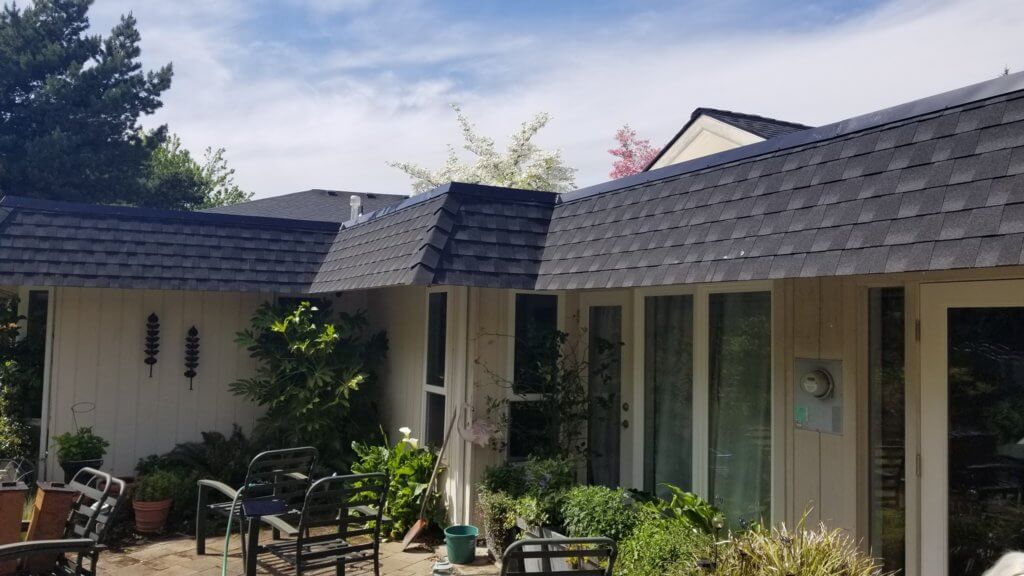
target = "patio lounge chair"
x: 99, y: 500
x: 280, y: 474
x: 336, y: 510
x: 77, y: 548
x: 581, y: 556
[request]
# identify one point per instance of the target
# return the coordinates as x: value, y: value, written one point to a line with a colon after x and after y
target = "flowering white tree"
x: 523, y: 164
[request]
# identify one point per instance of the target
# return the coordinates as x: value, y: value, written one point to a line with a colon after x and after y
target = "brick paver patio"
x: 175, y: 556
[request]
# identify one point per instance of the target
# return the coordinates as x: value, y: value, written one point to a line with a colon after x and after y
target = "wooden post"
x: 12, y: 506
x: 50, y: 513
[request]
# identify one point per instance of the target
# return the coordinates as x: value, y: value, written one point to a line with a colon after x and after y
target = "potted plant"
x: 79, y: 450
x: 152, y: 498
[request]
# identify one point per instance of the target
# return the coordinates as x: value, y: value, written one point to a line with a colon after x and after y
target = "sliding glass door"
x: 707, y: 391
x: 740, y: 411
x: 972, y: 417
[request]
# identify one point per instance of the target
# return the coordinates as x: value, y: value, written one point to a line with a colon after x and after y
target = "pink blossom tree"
x: 632, y: 155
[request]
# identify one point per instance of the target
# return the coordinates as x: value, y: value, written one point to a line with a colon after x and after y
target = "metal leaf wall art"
x: 152, y: 341
x: 191, y: 354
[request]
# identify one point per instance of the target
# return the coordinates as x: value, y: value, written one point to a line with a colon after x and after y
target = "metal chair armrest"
x: 33, y: 547
x: 221, y: 487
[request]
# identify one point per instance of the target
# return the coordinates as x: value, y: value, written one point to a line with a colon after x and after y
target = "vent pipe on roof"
x: 356, y: 204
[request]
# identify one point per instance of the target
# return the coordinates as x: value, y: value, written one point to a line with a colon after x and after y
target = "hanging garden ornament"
x: 191, y: 354
x: 152, y: 341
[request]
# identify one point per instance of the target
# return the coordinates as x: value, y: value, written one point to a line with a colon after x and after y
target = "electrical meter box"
x: 818, y: 395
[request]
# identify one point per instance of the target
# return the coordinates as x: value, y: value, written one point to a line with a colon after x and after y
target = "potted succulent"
x: 152, y: 498
x: 79, y: 450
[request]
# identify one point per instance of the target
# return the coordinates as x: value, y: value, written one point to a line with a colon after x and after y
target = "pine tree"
x: 70, y: 104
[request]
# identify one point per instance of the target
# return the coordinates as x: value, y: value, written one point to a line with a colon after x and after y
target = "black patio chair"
x: 279, y: 474
x: 337, y: 509
x: 78, y: 549
x: 583, y: 556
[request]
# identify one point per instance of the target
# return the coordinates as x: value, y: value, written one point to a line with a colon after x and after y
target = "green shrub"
x: 159, y: 485
x: 315, y: 376
x: 691, y: 509
x: 81, y: 445
x: 599, y: 511
x: 498, y: 511
x: 659, y: 546
x: 408, y: 467
x: 820, y: 552
x: 509, y: 478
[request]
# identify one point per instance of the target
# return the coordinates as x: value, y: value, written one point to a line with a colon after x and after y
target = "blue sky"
x: 322, y: 93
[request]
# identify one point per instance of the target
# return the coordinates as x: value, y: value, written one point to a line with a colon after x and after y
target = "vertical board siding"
x: 98, y: 358
x: 402, y: 313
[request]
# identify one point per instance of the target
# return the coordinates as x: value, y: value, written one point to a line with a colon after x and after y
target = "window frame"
x: 426, y: 388
x: 701, y: 382
x: 510, y: 354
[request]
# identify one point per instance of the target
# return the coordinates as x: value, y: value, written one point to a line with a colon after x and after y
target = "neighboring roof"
x: 760, y: 126
x: 50, y: 243
x: 458, y: 234
x: 934, y: 184
x: 315, y: 204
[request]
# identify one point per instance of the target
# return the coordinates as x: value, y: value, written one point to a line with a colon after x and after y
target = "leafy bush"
x: 498, y: 511
x: 599, y: 511
x: 408, y: 467
x: 315, y: 376
x: 15, y: 440
x: 660, y: 545
x: 159, y: 485
x: 21, y: 383
x: 217, y: 457
x: 820, y: 552
x: 508, y: 478
x: 81, y: 445
x: 688, y: 508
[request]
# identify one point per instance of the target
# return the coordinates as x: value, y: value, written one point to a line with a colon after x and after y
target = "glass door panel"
x: 985, y: 347
x: 886, y: 426
x: 740, y: 416
x: 604, y: 388
x: 668, y: 392
x: 972, y: 425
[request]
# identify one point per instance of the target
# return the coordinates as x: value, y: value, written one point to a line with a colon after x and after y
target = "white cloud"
x: 295, y: 117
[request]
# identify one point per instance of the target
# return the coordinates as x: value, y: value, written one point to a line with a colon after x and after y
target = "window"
x: 36, y: 325
x: 437, y: 345
x: 668, y: 392
x: 535, y: 347
x: 886, y: 426
x: 739, y: 411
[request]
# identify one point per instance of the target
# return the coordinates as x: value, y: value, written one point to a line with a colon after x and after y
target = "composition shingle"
x: 65, y: 244
x: 886, y: 192
x: 458, y: 234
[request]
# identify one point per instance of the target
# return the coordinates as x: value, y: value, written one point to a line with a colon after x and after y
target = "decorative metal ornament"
x: 152, y: 341
x: 191, y: 354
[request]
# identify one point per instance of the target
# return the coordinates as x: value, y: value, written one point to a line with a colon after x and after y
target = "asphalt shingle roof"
x: 316, y: 204
x: 459, y: 234
x: 65, y: 244
x: 759, y: 125
x: 890, y: 192
x: 934, y: 184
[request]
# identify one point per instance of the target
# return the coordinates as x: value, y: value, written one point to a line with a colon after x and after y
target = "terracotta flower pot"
x: 150, y: 517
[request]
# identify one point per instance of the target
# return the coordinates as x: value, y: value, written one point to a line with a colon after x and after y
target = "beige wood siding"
x: 98, y: 358
x: 402, y: 313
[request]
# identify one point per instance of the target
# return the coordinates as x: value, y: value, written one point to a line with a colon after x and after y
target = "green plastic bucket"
x: 461, y: 543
